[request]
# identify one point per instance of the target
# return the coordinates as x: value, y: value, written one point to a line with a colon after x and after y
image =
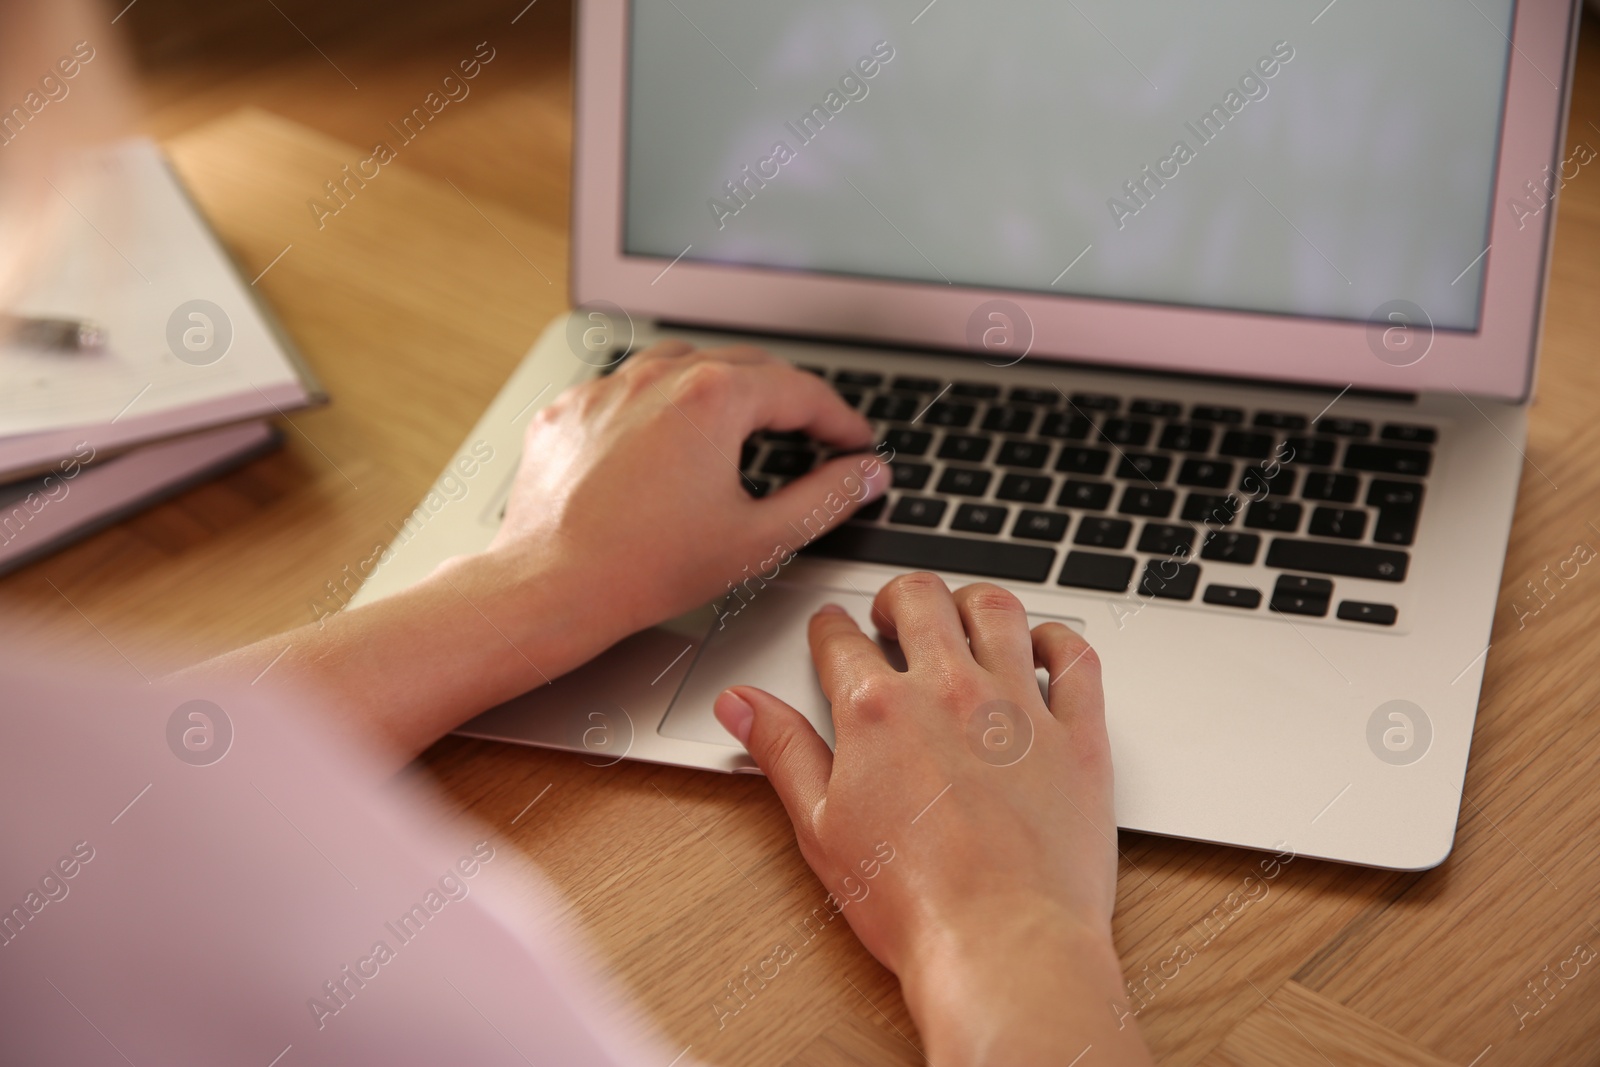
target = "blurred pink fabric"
x: 199, y: 875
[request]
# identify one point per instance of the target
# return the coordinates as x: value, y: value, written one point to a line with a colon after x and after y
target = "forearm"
x: 1029, y: 990
x: 397, y: 674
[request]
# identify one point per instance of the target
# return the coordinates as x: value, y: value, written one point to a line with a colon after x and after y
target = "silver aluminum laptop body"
x: 1343, y: 738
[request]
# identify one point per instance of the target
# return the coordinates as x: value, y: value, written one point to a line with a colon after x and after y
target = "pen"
x: 54, y: 334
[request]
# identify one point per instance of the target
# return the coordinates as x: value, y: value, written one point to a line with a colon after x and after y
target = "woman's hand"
x: 630, y: 498
x: 626, y: 511
x: 995, y: 806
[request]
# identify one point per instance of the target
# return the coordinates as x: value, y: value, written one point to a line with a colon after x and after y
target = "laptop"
x: 1208, y: 330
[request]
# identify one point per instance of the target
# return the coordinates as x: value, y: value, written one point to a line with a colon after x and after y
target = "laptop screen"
x: 1247, y: 156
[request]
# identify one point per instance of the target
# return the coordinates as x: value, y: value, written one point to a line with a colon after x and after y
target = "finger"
x: 743, y: 354
x: 916, y: 610
x: 815, y: 504
x: 659, y: 351
x: 780, y: 396
x: 1077, y: 701
x: 843, y: 654
x: 785, y: 746
x: 997, y: 629
x: 1076, y: 694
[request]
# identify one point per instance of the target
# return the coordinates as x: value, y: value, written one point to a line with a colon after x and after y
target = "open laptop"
x: 1208, y: 329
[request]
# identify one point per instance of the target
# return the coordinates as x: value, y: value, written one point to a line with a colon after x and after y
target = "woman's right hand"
x: 993, y: 806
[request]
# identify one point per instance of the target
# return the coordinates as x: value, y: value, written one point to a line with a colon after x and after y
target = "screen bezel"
x: 1496, y: 360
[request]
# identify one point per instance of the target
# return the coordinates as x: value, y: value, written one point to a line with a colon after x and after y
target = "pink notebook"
x: 43, y: 514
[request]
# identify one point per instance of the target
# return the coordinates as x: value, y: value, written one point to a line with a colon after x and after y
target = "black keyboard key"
x: 937, y: 552
x: 1103, y: 533
x: 1345, y: 427
x: 870, y: 512
x: 788, y: 462
x: 1386, y: 494
x: 864, y: 378
x: 1213, y: 413
x: 790, y: 437
x: 1083, y: 461
x: 1386, y: 459
x: 1092, y: 570
x: 1180, y: 437
x: 979, y: 518
x: 1278, y: 420
x: 1303, y: 586
x: 1399, y: 505
x: 1347, y: 523
x: 747, y: 454
x: 1164, y: 539
x: 1280, y: 515
x: 1135, y: 433
x: 1040, y: 525
x: 967, y: 448
x: 1395, y: 526
x: 1233, y: 596
x: 1025, y: 488
x: 1361, y: 611
x: 964, y: 481
x: 975, y: 390
x: 1095, y: 402
x: 1296, y: 604
x: 1090, y: 496
x: 1409, y: 434
x: 1334, y: 488
x: 917, y: 511
x: 1008, y: 419
x: 1296, y: 594
x: 903, y: 442
x: 1225, y: 546
x: 851, y: 397
x: 1205, y: 473
x: 1031, y: 454
x: 1213, y: 511
x: 759, y: 487
x: 1161, y: 409
x: 1025, y: 394
x: 1309, y: 451
x: 1144, y: 467
x: 1246, y: 444
x: 1169, y: 579
x: 1349, y: 561
x: 949, y: 413
x: 909, y: 475
x: 1141, y: 500
x: 1068, y: 425
x: 910, y: 384
x: 1257, y: 483
x: 895, y: 407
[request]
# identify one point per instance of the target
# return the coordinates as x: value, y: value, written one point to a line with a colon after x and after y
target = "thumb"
x: 823, y: 499
x: 785, y: 746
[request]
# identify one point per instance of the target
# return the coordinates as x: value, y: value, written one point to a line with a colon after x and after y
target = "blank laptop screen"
x: 1249, y: 156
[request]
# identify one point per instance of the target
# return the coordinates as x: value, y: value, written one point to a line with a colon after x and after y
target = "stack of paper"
x: 188, y: 354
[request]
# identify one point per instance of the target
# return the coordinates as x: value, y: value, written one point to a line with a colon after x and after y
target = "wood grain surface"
x: 416, y: 301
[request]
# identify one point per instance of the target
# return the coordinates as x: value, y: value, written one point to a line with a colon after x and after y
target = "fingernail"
x: 735, y: 714
x: 877, y: 481
x: 831, y: 608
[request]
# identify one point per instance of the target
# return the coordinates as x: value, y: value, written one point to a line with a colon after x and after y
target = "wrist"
x: 1013, y: 986
x: 540, y: 621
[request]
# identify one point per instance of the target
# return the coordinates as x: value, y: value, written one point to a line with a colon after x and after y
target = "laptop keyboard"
x: 1126, y: 494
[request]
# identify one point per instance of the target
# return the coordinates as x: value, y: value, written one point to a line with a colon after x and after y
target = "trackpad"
x: 765, y: 645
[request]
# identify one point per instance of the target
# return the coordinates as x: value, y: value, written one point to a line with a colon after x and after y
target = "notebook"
x: 188, y: 344
x: 79, y: 496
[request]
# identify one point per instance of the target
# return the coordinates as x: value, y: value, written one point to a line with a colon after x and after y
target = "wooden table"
x: 415, y: 302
